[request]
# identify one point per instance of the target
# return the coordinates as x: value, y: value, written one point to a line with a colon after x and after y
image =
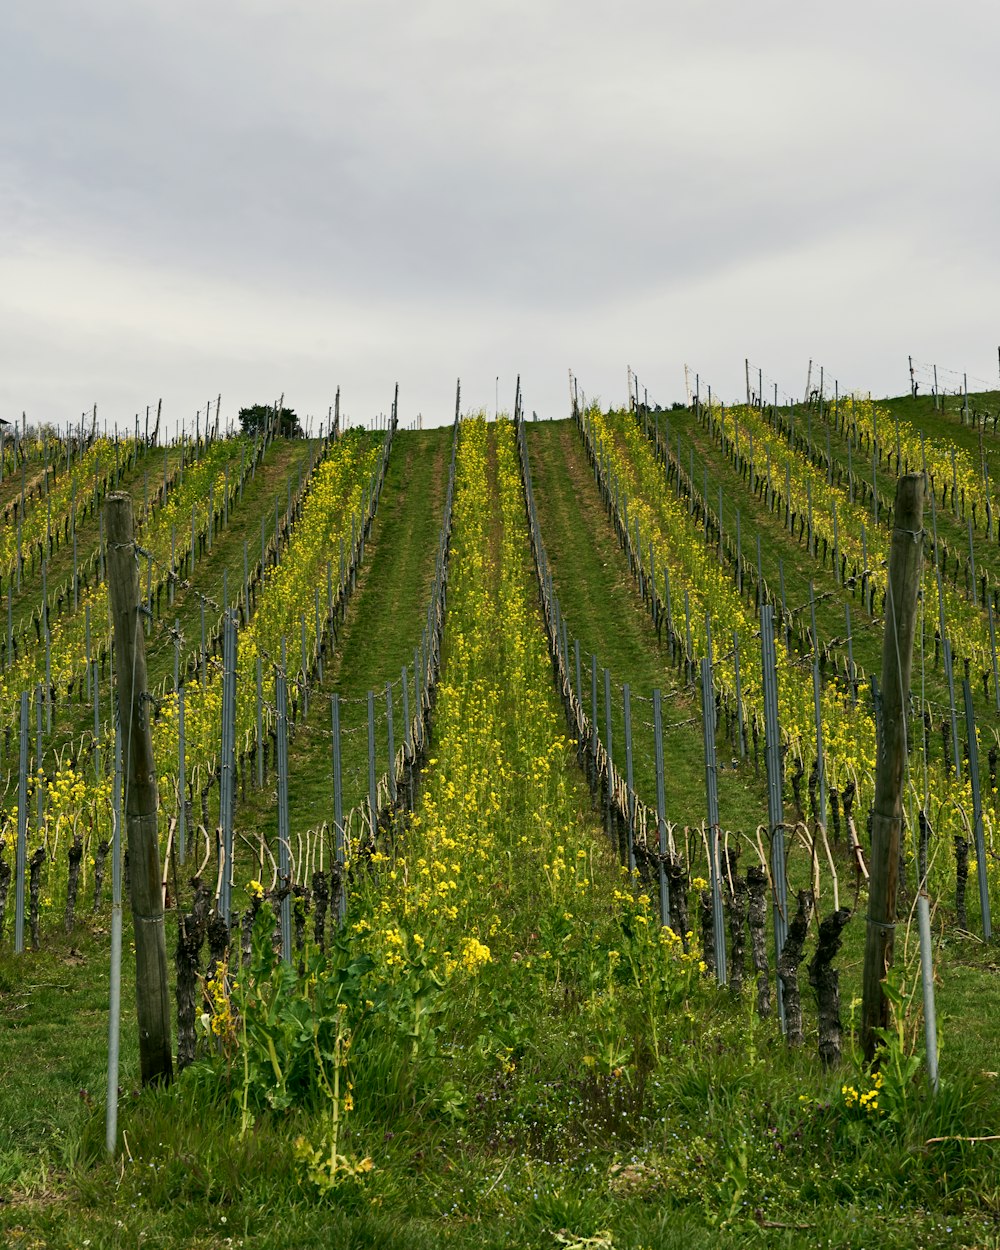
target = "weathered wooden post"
x: 145, y: 897
x: 897, y: 655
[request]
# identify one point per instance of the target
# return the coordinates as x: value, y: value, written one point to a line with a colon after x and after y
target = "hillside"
x: 550, y: 1015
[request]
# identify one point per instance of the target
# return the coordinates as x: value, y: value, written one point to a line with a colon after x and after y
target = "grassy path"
x: 224, y: 563
x: 597, y: 594
x: 382, y: 626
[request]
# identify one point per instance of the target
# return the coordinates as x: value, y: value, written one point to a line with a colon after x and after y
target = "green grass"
x: 285, y: 458
x: 729, y: 1140
x: 552, y: 1152
x: 382, y: 626
x: 602, y: 607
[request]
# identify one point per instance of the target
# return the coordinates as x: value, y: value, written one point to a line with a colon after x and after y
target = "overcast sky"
x: 253, y: 197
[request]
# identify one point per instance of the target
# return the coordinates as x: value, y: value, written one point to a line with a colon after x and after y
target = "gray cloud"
x: 257, y: 197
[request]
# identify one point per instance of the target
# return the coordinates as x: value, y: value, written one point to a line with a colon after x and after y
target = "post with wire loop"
x: 714, y: 850
x: 145, y: 891
x: 284, y: 835
x: 21, y: 851
x: 775, y: 803
x: 340, y: 883
x: 905, y: 554
x: 661, y: 819
x: 227, y: 786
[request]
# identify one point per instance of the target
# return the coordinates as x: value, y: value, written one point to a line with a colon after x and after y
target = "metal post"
x: 372, y: 783
x: 204, y: 675
x: 661, y: 820
x: 977, y: 813
x: 775, y: 805
x: 181, y: 778
x: 708, y: 721
x: 818, y: 712
x: 593, y: 711
x: 949, y: 668
x: 96, y: 723
x: 740, y: 726
x: 391, y: 742
x: 607, y: 747
x: 39, y: 788
x: 630, y: 824
x: 260, y: 723
x: 227, y: 786
x: 319, y: 637
x: 284, y: 847
x: 177, y: 653
x: 21, y: 854
x: 340, y: 902
x: 305, y: 664
x: 927, y: 981
x: 114, y: 998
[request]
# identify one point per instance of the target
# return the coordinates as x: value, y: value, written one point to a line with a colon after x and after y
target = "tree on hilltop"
x: 257, y: 418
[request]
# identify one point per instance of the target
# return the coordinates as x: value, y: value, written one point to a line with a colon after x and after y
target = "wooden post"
x: 897, y: 654
x: 145, y: 896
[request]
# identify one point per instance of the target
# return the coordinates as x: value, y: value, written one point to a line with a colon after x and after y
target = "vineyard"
x: 513, y: 797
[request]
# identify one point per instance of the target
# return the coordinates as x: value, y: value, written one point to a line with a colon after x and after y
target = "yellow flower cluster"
x: 219, y: 1016
x: 474, y: 955
x: 494, y: 803
x: 863, y: 1100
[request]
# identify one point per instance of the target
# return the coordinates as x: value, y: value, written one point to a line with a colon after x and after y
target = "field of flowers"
x: 500, y: 1044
